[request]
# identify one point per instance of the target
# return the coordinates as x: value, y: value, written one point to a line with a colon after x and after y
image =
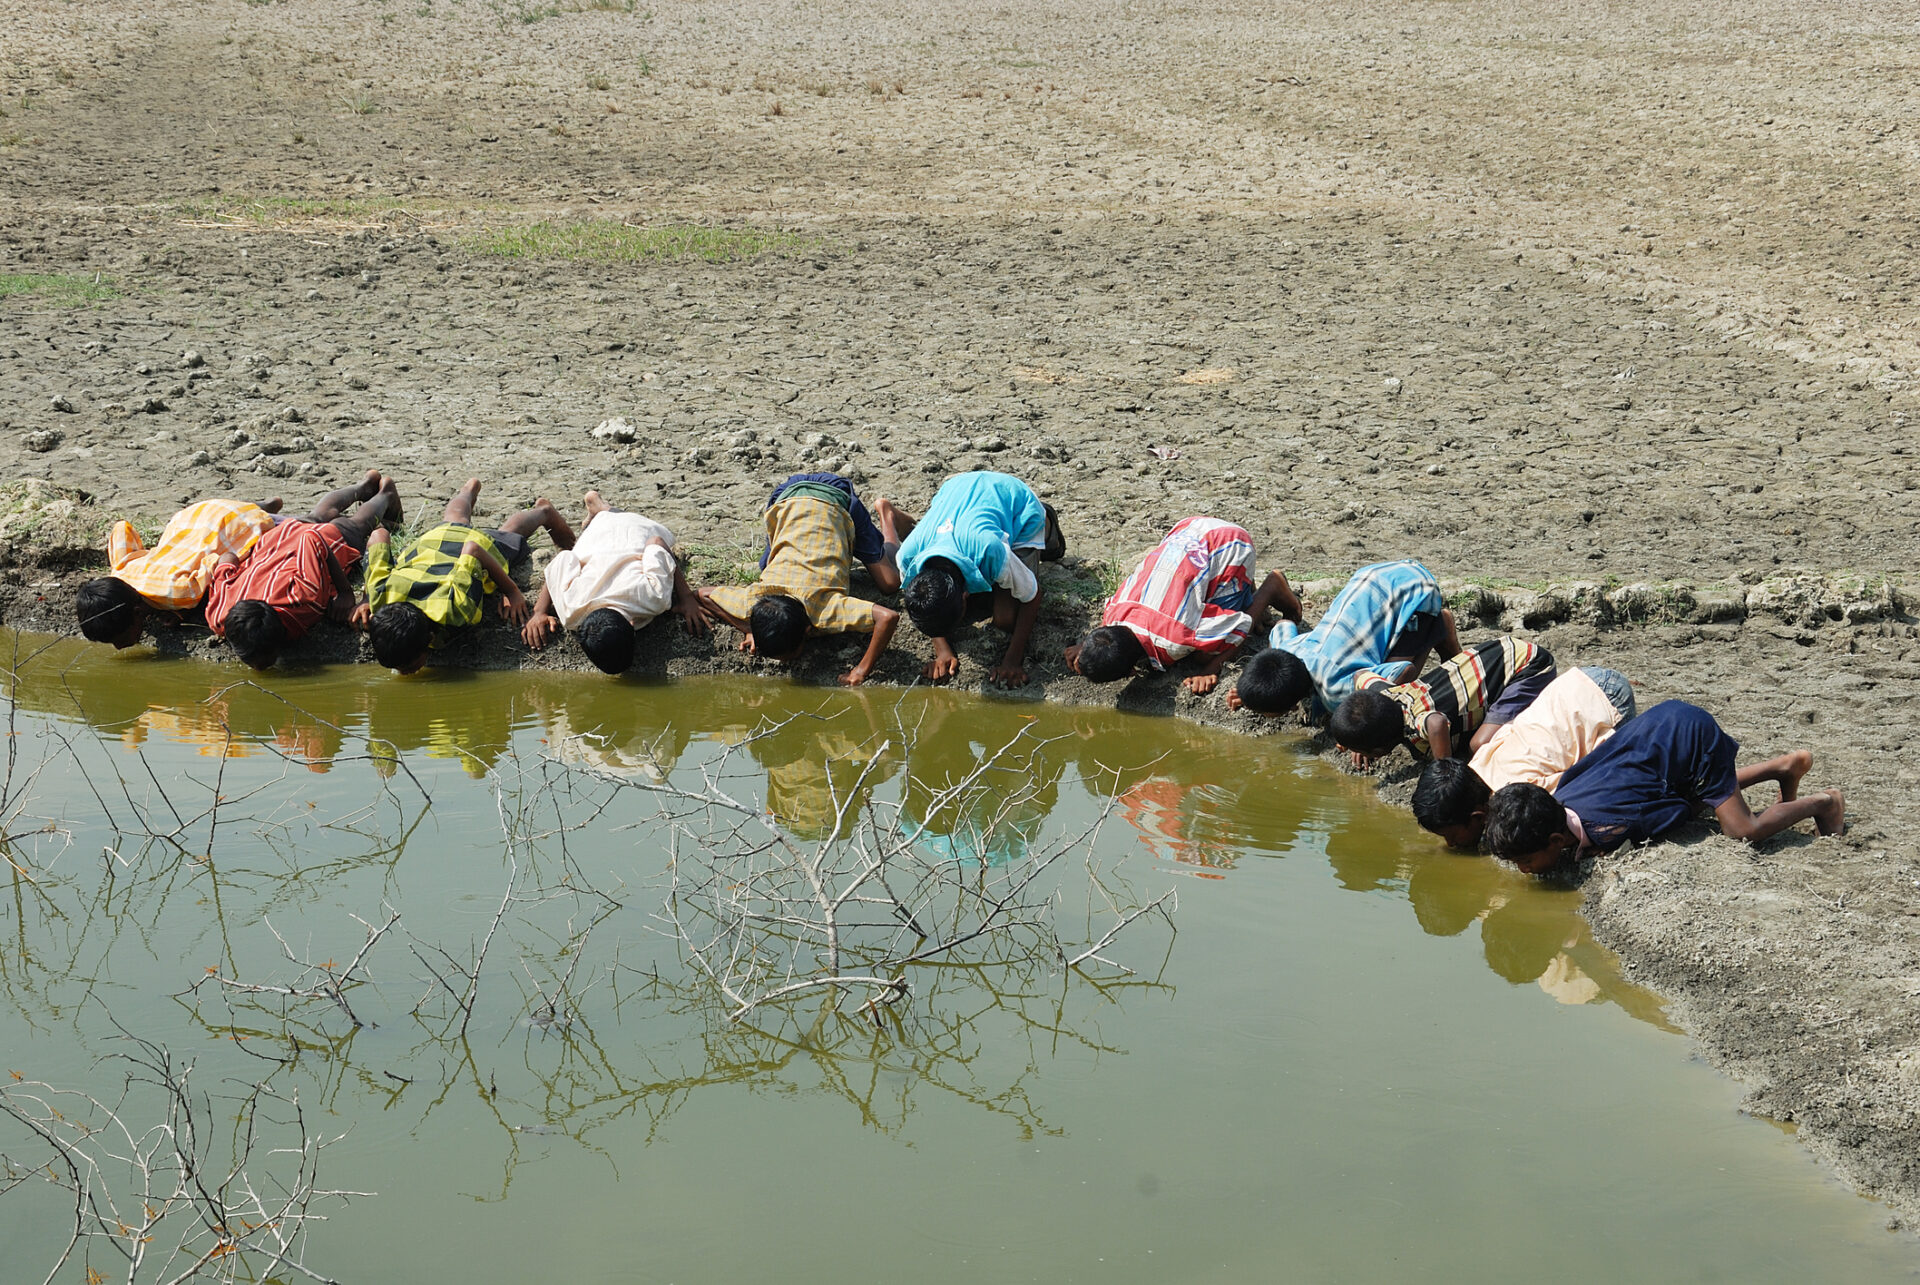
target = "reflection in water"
x: 546, y: 1047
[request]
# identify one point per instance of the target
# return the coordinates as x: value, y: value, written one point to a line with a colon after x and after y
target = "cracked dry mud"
x: 1535, y: 294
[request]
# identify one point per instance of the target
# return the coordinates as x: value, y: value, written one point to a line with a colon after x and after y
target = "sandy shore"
x: 1611, y: 322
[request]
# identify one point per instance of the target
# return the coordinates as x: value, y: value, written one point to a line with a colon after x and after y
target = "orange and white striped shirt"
x: 174, y: 574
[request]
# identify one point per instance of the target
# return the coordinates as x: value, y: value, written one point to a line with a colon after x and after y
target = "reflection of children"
x: 812, y: 539
x: 297, y: 572
x: 1192, y: 592
x: 1647, y: 779
x: 619, y: 575
x: 1572, y: 717
x: 1389, y: 617
x: 1454, y: 707
x: 171, y: 576
x: 441, y: 580
x: 983, y: 533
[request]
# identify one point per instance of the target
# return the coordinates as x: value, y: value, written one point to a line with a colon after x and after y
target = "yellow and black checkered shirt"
x: 449, y: 586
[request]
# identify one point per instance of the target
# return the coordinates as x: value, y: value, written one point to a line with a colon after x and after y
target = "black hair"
x: 607, y: 638
x: 255, y: 632
x: 108, y: 608
x: 779, y: 623
x: 401, y: 634
x: 1274, y: 682
x: 1109, y: 653
x: 936, y: 599
x: 1367, y: 723
x: 1448, y: 795
x: 1520, y: 820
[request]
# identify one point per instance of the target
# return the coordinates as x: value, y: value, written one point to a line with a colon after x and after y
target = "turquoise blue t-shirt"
x: 975, y: 521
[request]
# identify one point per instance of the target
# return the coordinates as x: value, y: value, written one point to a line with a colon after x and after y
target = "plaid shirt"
x: 811, y: 558
x: 1461, y: 689
x: 449, y: 586
x: 1189, y: 593
x: 1361, y: 625
x: 174, y: 574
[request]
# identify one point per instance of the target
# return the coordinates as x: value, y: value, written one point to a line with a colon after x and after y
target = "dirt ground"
x: 1606, y: 314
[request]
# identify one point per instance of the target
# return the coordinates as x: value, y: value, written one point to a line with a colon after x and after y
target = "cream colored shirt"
x: 611, y: 565
x: 1568, y: 721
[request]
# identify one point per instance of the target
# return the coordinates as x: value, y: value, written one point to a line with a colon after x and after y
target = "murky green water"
x: 1357, y: 1058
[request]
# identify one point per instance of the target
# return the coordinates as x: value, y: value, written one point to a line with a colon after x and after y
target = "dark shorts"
x: 1421, y: 633
x: 512, y: 547
x: 1519, y: 693
x: 1238, y: 598
x: 353, y: 533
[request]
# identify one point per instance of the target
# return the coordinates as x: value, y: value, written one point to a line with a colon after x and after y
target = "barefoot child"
x: 1388, y: 618
x: 1648, y: 778
x: 1576, y: 713
x: 983, y: 533
x: 297, y: 572
x: 171, y: 576
x: 441, y: 580
x: 1453, y: 709
x: 619, y: 575
x: 1192, y: 592
x: 812, y: 540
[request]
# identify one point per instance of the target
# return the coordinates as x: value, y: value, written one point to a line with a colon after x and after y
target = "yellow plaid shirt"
x: 174, y: 574
x: 449, y: 586
x: 811, y: 558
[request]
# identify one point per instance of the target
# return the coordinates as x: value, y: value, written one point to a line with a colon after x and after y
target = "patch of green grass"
x: 1087, y: 582
x: 282, y: 209
x: 609, y: 241
x: 360, y: 103
x: 723, y: 564
x: 57, y: 287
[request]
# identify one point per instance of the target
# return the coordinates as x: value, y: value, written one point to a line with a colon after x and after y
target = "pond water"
x: 1350, y: 1056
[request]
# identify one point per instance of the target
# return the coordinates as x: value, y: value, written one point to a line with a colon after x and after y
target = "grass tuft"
x: 56, y: 287
x: 263, y: 210
x: 608, y: 241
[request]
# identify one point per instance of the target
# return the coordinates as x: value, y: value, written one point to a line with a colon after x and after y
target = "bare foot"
x: 557, y: 529
x: 1832, y: 817
x: 595, y: 505
x: 369, y: 485
x: 1798, y: 764
x: 273, y: 505
x: 392, y: 513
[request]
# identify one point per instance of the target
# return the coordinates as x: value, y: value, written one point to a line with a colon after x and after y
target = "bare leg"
x: 1827, y: 808
x: 895, y: 524
x: 1787, y: 769
x: 541, y: 515
x: 391, y: 513
x: 460, y: 507
x: 334, y: 503
x: 595, y: 507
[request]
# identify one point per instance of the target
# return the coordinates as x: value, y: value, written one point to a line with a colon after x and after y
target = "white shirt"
x: 611, y: 565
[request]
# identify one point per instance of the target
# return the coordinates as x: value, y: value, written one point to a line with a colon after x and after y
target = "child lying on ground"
x: 1576, y: 713
x: 1388, y: 618
x: 812, y: 540
x: 1452, y: 709
x: 619, y: 575
x: 171, y: 576
x: 1192, y: 592
x: 441, y: 580
x: 983, y: 533
x: 1648, y: 778
x: 297, y: 572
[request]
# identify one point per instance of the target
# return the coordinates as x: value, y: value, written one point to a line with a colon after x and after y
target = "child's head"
x: 1367, y: 723
x: 936, y: 599
x: 779, y: 625
x: 110, y: 611
x: 1108, y: 654
x: 1273, y: 683
x: 1527, y: 826
x: 401, y: 635
x: 607, y: 638
x: 255, y: 633
x: 1451, y: 801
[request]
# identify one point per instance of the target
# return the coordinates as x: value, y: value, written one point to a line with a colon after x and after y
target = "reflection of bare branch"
x: 159, y: 1196
x: 330, y: 986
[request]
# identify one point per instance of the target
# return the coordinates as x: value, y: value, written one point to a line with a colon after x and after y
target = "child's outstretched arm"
x: 340, y: 608
x: 885, y: 621
x: 1012, y: 669
x: 513, y: 603
x: 686, y: 604
x: 1207, y: 677
x: 543, y: 623
x: 1449, y: 637
x: 379, y: 561
x: 1438, y: 730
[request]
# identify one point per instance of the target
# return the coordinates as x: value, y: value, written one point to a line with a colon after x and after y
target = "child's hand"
x: 693, y: 616
x: 746, y: 643
x: 1201, y: 684
x: 513, y: 606
x: 855, y: 676
x: 1233, y: 698
x: 941, y: 667
x: 539, y: 629
x: 1008, y: 674
x: 361, y: 615
x: 1361, y: 762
